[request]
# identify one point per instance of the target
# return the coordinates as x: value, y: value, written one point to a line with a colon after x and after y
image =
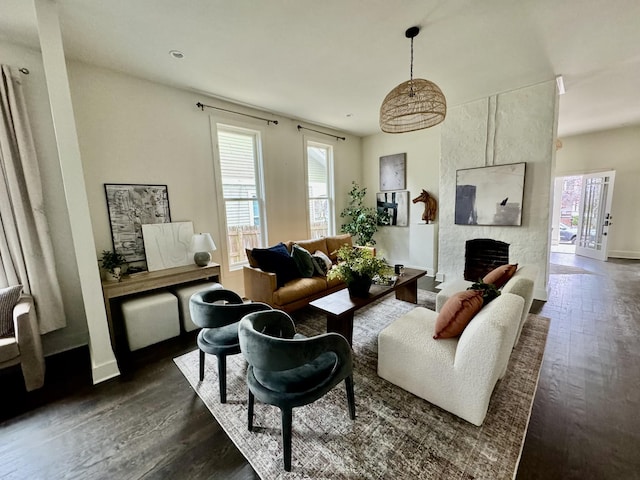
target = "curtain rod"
x: 300, y: 127
x: 202, y: 105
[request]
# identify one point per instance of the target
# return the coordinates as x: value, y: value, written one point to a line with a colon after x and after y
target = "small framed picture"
x: 393, y: 172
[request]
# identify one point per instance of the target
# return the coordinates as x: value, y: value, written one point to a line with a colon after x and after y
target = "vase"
x: 359, y: 286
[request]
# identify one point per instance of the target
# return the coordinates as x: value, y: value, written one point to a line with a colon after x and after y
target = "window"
x: 241, y: 179
x: 320, y: 189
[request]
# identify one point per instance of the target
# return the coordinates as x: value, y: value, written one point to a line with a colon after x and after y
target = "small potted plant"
x: 357, y: 267
x: 112, y: 265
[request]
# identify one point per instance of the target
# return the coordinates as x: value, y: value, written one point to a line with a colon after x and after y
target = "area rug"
x: 395, y: 434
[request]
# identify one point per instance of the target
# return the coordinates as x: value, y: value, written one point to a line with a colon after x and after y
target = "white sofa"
x: 456, y: 374
x: 522, y: 283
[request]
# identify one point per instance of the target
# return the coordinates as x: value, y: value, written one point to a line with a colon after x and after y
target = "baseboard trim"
x: 628, y: 254
x: 106, y: 371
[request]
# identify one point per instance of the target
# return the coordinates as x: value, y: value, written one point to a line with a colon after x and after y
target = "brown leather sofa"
x: 261, y: 286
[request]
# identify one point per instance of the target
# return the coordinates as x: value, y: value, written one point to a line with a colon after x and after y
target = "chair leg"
x: 250, y: 411
x: 287, y: 415
x: 201, y: 365
x: 351, y: 400
x: 222, y: 377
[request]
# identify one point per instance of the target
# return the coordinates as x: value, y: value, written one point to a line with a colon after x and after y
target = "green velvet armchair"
x: 288, y: 370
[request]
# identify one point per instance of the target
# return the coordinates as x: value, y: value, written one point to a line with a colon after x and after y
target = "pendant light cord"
x: 411, y: 94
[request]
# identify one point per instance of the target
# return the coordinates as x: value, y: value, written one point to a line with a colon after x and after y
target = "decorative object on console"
x: 130, y: 206
x: 393, y: 208
x: 166, y: 245
x: 430, y: 206
x: 393, y: 172
x: 490, y: 195
x: 414, y: 104
x: 202, y: 244
x: 356, y: 267
x: 111, y: 263
x: 364, y: 221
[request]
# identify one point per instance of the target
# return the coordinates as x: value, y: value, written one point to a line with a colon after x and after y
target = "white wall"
x: 135, y: 131
x: 415, y: 245
x: 619, y: 150
x: 37, y: 100
x: 512, y: 127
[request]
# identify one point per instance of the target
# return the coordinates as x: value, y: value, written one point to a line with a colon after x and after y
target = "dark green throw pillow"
x: 303, y: 260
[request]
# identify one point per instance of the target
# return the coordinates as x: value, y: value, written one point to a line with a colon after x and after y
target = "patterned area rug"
x: 395, y: 434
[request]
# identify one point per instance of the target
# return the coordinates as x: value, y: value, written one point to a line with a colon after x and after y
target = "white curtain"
x: 26, y: 254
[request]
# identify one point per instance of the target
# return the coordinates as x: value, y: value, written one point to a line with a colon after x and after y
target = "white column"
x: 103, y: 361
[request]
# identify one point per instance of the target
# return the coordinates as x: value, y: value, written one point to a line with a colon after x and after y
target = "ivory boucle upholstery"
x: 456, y: 374
x: 522, y: 283
x: 261, y: 286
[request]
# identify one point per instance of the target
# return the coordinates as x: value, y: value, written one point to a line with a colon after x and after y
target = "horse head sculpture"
x: 430, y: 206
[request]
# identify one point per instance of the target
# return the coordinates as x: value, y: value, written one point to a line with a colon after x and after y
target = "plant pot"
x: 114, y: 276
x: 359, y: 286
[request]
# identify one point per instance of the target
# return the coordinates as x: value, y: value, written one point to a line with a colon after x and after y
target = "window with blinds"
x: 320, y: 189
x: 241, y: 178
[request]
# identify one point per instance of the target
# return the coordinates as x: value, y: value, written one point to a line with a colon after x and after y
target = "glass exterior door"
x: 595, y: 215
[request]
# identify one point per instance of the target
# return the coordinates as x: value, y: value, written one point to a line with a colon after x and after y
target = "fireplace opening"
x: 483, y: 255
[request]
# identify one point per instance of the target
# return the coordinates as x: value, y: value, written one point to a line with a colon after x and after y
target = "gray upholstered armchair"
x: 217, y: 312
x: 288, y: 370
x: 25, y: 346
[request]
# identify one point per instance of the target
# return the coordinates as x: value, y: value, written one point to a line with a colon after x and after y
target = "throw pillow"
x: 457, y: 312
x: 277, y: 260
x: 320, y: 268
x: 325, y: 258
x: 8, y: 298
x: 500, y: 275
x: 303, y: 261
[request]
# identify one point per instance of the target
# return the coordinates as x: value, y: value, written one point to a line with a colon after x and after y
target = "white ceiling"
x: 333, y: 61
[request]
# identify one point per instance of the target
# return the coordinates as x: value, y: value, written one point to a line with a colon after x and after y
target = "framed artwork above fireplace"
x: 490, y: 195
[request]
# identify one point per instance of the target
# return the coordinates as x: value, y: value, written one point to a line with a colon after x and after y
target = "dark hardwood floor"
x: 148, y: 423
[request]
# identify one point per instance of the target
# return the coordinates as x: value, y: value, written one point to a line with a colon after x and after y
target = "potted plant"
x: 364, y: 220
x: 357, y: 267
x: 112, y: 265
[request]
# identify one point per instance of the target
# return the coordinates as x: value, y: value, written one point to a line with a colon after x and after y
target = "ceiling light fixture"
x: 176, y: 54
x: 414, y: 104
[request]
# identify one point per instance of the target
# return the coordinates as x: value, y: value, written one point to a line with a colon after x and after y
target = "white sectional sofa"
x: 456, y: 374
x: 522, y: 283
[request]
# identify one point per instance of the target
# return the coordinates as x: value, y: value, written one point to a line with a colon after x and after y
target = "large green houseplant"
x: 357, y: 267
x: 362, y: 221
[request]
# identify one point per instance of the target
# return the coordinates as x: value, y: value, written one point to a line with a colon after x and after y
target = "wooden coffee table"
x: 340, y: 307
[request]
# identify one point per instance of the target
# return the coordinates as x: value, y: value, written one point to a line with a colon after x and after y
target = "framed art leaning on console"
x: 131, y: 206
x: 490, y: 195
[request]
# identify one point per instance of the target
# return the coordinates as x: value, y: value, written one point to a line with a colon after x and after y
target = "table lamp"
x: 202, y: 244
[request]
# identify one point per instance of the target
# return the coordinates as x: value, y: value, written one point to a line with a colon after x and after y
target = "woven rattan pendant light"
x: 414, y: 104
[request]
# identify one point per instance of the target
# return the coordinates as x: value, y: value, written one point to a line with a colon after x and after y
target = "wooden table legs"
x: 342, y: 324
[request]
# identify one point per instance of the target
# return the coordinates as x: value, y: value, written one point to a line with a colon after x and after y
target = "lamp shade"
x: 412, y: 105
x: 202, y: 242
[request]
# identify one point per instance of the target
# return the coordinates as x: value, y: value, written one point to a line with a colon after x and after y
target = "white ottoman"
x: 151, y: 318
x: 184, y: 294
